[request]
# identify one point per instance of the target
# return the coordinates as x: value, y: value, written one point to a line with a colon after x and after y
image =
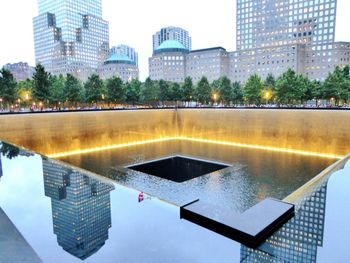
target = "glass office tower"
x: 70, y: 36
x: 262, y: 23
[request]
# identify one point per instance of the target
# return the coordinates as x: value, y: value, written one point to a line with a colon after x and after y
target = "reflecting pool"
x: 66, y: 214
x: 253, y: 175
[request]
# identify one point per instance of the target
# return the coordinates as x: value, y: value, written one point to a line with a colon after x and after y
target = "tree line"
x: 288, y: 89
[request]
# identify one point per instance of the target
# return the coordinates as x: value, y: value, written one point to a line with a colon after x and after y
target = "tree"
x: 94, y: 89
x: 337, y: 85
x: 41, y: 84
x: 253, y: 90
x: 237, y: 93
x: 115, y: 90
x: 225, y: 89
x: 203, y: 91
x: 305, y: 89
x: 287, y: 87
x: 72, y: 89
x: 176, y: 92
x: 270, y: 82
x: 57, y: 91
x: 150, y: 91
x: 188, y: 89
x: 133, y: 91
x: 24, y: 90
x: 164, y: 90
x: 8, y: 87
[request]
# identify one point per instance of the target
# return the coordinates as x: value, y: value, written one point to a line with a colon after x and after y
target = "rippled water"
x: 254, y: 175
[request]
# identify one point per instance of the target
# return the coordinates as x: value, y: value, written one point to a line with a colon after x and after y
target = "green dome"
x: 118, y: 58
x: 170, y: 46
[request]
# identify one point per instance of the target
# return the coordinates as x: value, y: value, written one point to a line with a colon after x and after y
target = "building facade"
x: 119, y: 65
x: 126, y: 50
x: 20, y: 71
x: 168, y: 62
x: 211, y: 62
x: 272, y: 37
x: 296, y: 34
x: 172, y: 33
x: 81, y: 210
x: 70, y: 36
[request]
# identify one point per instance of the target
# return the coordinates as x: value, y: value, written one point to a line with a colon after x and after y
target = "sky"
x: 133, y: 22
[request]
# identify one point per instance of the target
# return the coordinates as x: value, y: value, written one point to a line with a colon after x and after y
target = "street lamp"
x: 215, y: 97
x: 267, y: 95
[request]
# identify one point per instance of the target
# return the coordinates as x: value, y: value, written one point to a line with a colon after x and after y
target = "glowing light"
x: 181, y: 138
x: 267, y: 94
x: 109, y: 147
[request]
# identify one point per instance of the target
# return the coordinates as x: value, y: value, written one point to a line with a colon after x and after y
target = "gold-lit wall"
x: 51, y: 133
x: 322, y: 131
x: 325, y: 132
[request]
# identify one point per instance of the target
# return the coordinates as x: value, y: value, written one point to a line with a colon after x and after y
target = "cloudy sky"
x: 132, y: 22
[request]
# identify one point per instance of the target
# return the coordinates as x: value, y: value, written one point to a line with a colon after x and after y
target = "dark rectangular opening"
x: 178, y: 168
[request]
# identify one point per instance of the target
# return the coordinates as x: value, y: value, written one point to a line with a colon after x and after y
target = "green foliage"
x: 115, y: 90
x: 8, y: 87
x: 41, y: 84
x: 253, y: 90
x: 203, y: 91
x: 270, y: 82
x: 287, y: 87
x: 176, y: 92
x: 150, y: 91
x: 72, y: 89
x: 94, y: 89
x: 164, y: 90
x: 133, y: 91
x: 188, y: 89
x: 57, y: 91
x: 237, y: 93
x: 225, y: 90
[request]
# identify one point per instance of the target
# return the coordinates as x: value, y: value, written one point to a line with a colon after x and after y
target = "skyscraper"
x: 126, y: 50
x: 274, y: 35
x: 70, y: 36
x: 172, y: 33
x: 81, y: 210
x: 282, y: 22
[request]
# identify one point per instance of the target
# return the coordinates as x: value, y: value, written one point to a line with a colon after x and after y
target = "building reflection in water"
x: 80, y: 209
x: 297, y: 240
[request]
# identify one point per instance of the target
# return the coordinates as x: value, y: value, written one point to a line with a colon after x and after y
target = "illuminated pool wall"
x: 306, y: 130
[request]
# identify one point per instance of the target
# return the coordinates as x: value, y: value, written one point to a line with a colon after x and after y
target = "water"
x: 67, y: 214
x: 253, y: 176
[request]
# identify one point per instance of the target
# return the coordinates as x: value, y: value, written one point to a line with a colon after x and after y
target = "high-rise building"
x: 305, y: 28
x: 168, y: 62
x: 272, y: 37
x: 299, y: 239
x: 70, y: 36
x: 20, y: 71
x: 282, y: 22
x: 172, y: 33
x: 81, y: 210
x: 126, y: 50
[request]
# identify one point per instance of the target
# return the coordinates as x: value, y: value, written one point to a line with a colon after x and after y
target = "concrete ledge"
x: 14, y: 248
x: 249, y: 228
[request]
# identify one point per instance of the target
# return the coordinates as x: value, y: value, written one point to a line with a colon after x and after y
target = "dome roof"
x: 118, y: 58
x: 171, y: 46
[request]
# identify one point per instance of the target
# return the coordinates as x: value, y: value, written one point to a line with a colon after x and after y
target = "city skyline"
x: 126, y: 29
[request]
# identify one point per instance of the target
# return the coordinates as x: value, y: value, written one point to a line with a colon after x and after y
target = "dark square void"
x: 178, y: 168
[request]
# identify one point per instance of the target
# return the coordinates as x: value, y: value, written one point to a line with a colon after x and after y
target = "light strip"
x: 181, y: 138
x: 109, y: 147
